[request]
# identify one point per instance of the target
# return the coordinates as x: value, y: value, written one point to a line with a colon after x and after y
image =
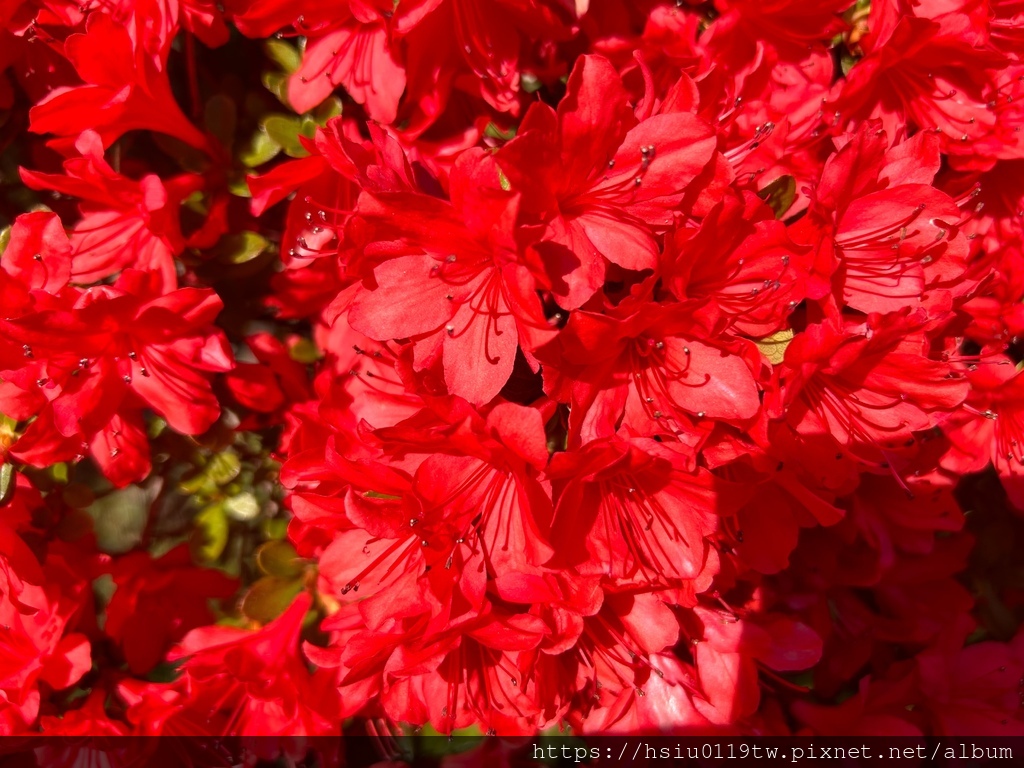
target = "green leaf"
x: 242, y: 506
x: 59, y: 472
x: 847, y: 62
x: 494, y: 132
x: 503, y: 180
x: 224, y: 467
x: 279, y: 558
x: 376, y: 495
x: 120, y: 519
x: 530, y: 83
x: 284, y: 54
x: 285, y: 130
x: 156, y: 427
x: 779, y: 195
x: 304, y: 351
x: 7, y: 479
x: 164, y: 672
x: 103, y: 588
x: 261, y: 149
x: 210, y: 535
x: 199, y: 484
x: 274, y: 528
x: 774, y: 347
x: 277, y: 84
x: 239, y: 188
x: 269, y: 597
x: 241, y: 247
x: 327, y: 110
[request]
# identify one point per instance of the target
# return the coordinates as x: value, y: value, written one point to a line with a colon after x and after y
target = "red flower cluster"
x: 627, y: 366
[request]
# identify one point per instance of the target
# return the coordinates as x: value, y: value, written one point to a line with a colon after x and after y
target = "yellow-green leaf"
x: 239, y: 188
x: 328, y: 110
x: 242, y: 506
x: 780, y: 195
x: 6, y: 483
x: 279, y: 558
x: 274, y: 527
x: 210, y: 535
x: 241, y: 247
x: 120, y: 518
x: 285, y: 131
x: 269, y: 597
x: 277, y: 84
x: 304, y: 351
x: 774, y: 347
x: 377, y: 495
x: 224, y: 467
x: 262, y: 149
x: 284, y: 54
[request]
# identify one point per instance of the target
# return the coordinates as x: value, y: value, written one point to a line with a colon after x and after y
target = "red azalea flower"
x: 869, y: 386
x: 633, y: 370
x: 488, y: 45
x: 255, y: 682
x: 884, y: 236
x: 973, y: 690
x: 452, y: 279
x: 876, y: 709
x: 124, y: 223
x: 35, y: 644
x: 990, y: 429
x: 126, y: 87
x: 157, y: 601
x: 656, y: 368
x: 37, y: 257
x: 741, y: 259
x: 930, y: 76
x: 91, y: 362
x: 633, y: 511
x: 458, y: 520
x: 782, y: 23
x: 597, y: 184
x: 350, y: 46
